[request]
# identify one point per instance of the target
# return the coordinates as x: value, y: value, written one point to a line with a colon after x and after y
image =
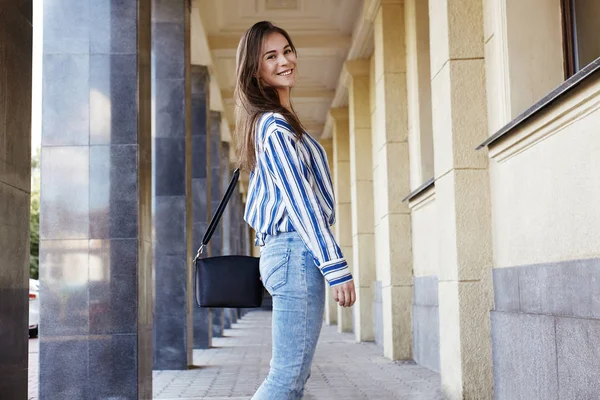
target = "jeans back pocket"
x: 274, y: 267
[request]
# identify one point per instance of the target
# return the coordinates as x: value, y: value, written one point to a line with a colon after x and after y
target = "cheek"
x: 293, y: 58
x: 265, y: 71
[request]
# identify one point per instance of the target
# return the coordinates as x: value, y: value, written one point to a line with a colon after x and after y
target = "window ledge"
x: 420, y: 190
x: 544, y: 104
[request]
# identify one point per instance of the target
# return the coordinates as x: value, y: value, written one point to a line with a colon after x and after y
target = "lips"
x: 286, y: 73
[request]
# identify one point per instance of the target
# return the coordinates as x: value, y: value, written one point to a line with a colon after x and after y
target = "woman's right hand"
x: 344, y: 294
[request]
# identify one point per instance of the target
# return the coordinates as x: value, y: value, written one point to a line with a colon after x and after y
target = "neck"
x: 284, y: 97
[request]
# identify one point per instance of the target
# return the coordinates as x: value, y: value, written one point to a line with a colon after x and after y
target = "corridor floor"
x: 342, y: 369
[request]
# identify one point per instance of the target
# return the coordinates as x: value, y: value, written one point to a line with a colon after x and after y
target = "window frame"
x: 571, y: 60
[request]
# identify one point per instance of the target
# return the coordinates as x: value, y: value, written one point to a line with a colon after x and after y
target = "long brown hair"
x: 252, y: 98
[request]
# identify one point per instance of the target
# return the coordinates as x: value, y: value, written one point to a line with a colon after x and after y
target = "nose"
x: 282, y: 59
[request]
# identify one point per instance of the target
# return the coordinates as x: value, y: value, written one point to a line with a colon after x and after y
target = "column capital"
x: 339, y: 113
x: 372, y: 6
x: 357, y: 68
x: 244, y: 177
x: 326, y: 142
x: 243, y: 186
x: 199, y: 69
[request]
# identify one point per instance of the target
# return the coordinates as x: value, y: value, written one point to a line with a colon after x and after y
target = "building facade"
x: 461, y: 135
x: 474, y: 228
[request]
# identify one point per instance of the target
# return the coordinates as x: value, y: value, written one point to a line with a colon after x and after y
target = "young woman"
x: 290, y: 206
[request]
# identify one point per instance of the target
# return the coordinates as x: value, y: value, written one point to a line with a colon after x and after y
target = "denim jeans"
x: 291, y: 276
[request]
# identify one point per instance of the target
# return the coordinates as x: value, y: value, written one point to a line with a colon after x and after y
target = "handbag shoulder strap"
x: 219, y: 212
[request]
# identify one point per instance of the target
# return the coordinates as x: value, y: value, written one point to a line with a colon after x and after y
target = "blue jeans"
x: 297, y: 286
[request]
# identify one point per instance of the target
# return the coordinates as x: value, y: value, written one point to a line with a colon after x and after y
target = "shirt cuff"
x: 336, y: 272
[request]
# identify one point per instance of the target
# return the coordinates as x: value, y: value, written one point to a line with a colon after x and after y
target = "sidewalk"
x: 32, y: 382
x: 342, y: 369
x: 236, y: 366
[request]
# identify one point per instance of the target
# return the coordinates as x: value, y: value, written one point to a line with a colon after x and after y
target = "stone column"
x: 330, y: 305
x: 226, y: 219
x: 200, y: 80
x: 216, y: 242
x: 391, y: 175
x: 96, y: 274
x: 226, y: 173
x: 246, y: 238
x: 238, y: 228
x: 343, y: 203
x: 172, y: 185
x: 361, y: 189
x: 462, y: 197
x: 240, y: 223
x: 15, y: 189
x: 232, y: 227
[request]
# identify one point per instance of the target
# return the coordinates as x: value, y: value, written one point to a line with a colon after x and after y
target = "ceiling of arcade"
x: 323, y: 32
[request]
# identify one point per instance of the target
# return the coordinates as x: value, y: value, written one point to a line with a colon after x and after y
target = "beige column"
x: 361, y: 189
x: 391, y: 175
x: 462, y: 197
x: 330, y: 305
x: 341, y: 184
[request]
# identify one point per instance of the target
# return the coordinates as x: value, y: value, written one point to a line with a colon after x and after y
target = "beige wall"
x: 341, y: 183
x: 418, y: 81
x: 524, y: 59
x: 330, y: 304
x: 462, y: 197
x: 377, y: 178
x: 587, y: 28
x: 424, y: 234
x: 545, y: 182
x: 391, y: 178
x: 361, y: 190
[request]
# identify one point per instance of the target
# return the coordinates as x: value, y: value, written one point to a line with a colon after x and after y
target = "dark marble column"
x: 216, y: 242
x: 247, y: 243
x: 226, y: 173
x: 200, y: 187
x: 240, y: 233
x: 216, y: 191
x: 240, y: 227
x: 96, y: 274
x: 15, y: 188
x: 232, y: 227
x: 171, y: 168
x: 226, y: 220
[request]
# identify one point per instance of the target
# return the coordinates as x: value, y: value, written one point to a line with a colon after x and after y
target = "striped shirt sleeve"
x: 287, y: 169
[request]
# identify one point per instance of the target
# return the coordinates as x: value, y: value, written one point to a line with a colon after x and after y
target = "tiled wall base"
x: 426, y: 331
x: 546, y: 331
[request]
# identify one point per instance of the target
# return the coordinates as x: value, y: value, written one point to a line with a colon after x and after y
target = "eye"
x: 270, y: 57
x: 287, y: 51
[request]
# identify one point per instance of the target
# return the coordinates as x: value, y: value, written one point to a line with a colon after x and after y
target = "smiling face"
x: 278, y: 63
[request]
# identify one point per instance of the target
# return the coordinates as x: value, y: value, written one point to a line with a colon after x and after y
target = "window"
x: 580, y: 33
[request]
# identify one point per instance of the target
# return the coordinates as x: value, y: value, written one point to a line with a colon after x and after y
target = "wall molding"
x: 573, y: 108
x: 563, y: 93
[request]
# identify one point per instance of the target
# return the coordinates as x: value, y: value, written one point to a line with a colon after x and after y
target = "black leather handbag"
x: 226, y: 281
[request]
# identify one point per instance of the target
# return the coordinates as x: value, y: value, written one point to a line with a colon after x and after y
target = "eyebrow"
x: 273, y: 51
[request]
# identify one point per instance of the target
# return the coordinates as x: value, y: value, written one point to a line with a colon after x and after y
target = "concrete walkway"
x: 342, y: 369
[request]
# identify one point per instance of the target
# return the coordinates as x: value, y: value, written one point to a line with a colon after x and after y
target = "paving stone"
x: 239, y: 362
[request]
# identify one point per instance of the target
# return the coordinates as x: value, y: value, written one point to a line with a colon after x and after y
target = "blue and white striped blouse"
x: 290, y: 189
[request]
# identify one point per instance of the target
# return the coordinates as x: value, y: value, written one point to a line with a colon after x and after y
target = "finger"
x: 348, y: 297
x: 336, y: 297
x: 353, y: 296
x: 342, y: 298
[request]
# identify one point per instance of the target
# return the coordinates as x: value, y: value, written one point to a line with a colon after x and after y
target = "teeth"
x: 286, y: 73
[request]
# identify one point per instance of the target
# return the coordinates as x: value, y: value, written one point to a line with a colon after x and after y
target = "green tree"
x: 34, y: 221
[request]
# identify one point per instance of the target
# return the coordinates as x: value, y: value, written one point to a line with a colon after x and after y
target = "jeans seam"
x: 299, y: 377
